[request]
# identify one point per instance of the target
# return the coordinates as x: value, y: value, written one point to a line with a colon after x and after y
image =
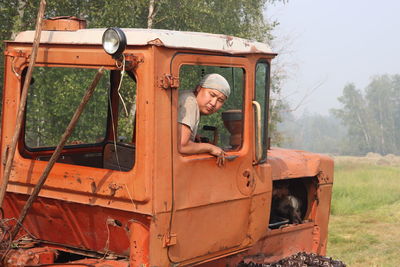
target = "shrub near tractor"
x: 119, y: 193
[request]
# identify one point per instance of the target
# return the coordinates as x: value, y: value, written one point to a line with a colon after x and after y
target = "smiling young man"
x: 208, y: 97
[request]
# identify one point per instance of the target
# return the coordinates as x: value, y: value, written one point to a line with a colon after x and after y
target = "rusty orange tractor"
x: 120, y: 193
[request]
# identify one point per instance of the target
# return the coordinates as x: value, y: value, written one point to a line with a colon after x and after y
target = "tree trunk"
x: 151, y: 15
x: 19, y: 19
x: 382, y: 128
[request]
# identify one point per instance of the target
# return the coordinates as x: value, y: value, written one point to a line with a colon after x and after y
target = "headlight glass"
x: 114, y: 41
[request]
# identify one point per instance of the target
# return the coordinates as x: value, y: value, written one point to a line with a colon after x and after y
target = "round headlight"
x: 114, y: 42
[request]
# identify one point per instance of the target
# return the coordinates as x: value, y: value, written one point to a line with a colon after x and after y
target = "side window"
x: 119, y: 150
x: 53, y: 99
x: 225, y: 127
x: 262, y: 97
x: 126, y: 109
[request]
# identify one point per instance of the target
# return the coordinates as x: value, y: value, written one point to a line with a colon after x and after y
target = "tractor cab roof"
x: 141, y: 37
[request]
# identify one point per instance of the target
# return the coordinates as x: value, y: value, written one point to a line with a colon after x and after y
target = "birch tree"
x: 242, y: 18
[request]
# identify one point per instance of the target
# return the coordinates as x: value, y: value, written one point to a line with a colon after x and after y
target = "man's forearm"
x: 195, y: 148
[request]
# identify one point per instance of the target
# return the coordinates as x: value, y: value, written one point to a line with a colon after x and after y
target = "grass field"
x: 364, y: 228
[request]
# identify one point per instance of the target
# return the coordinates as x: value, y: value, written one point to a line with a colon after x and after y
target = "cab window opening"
x: 53, y: 98
x: 223, y: 128
x: 262, y: 97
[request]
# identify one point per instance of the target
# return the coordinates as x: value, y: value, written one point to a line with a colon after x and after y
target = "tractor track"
x: 300, y: 259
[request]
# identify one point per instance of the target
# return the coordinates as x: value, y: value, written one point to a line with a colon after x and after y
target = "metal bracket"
x: 16, y: 63
x: 322, y: 177
x: 16, y: 53
x: 132, y: 61
x: 169, y: 239
x: 169, y: 82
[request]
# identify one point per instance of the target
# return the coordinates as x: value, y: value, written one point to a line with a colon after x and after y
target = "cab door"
x: 211, y: 204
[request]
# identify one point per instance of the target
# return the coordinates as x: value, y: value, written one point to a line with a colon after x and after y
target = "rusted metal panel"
x: 80, y: 226
x: 276, y: 245
x: 324, y: 194
x: 33, y: 256
x: 206, y: 230
x: 64, y: 23
x: 296, y: 163
x: 139, y: 244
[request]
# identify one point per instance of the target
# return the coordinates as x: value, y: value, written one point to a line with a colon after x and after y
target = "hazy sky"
x: 327, y: 44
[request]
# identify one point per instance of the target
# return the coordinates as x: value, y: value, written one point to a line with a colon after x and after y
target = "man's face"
x: 209, y: 100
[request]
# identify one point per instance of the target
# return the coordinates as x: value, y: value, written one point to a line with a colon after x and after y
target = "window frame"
x: 265, y: 121
x: 70, y: 149
x: 183, y: 58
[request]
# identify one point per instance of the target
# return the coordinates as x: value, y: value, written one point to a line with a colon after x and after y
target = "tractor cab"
x: 120, y: 193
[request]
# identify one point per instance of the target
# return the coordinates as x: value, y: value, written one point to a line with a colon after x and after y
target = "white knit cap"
x: 216, y: 82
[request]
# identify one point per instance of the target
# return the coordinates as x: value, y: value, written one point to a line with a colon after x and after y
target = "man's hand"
x: 186, y: 146
x: 220, y: 154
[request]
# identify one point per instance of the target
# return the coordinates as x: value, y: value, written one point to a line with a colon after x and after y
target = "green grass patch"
x: 361, y: 187
x: 364, y: 227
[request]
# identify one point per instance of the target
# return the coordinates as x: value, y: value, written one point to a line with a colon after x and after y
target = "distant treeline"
x: 367, y: 121
x: 313, y: 132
